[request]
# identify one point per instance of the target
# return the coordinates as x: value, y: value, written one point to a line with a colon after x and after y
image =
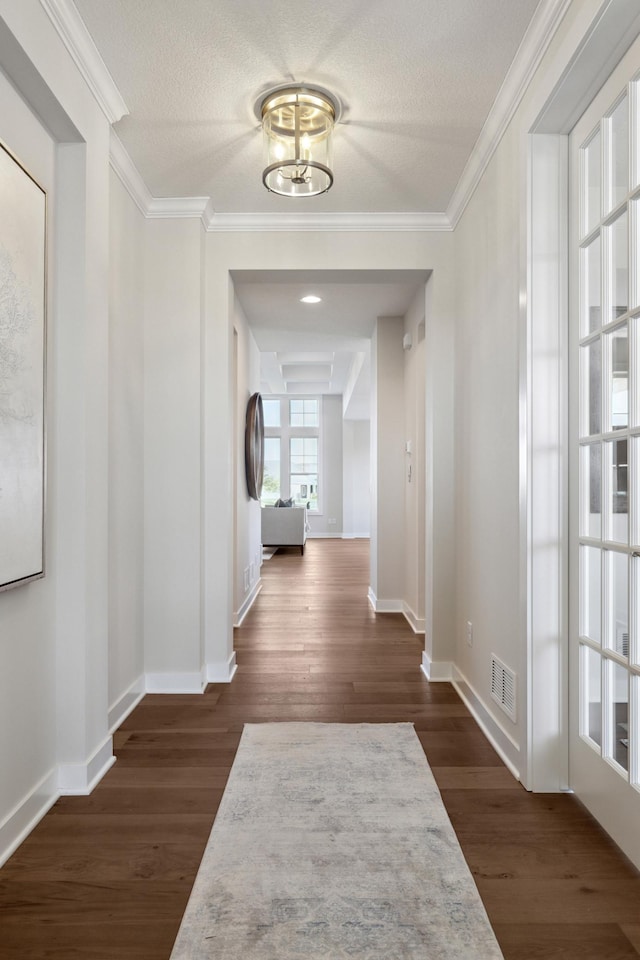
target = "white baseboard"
x: 437, y: 671
x: 123, y: 706
x: 384, y: 606
x: 324, y: 536
x: 222, y: 672
x: 215, y: 672
x: 356, y: 536
x: 249, y: 601
x: 175, y: 682
x: 501, y: 740
x: 17, y: 826
x: 417, y: 624
x: 79, y: 779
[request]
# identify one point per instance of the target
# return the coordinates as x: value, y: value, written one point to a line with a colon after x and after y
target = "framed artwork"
x: 23, y: 254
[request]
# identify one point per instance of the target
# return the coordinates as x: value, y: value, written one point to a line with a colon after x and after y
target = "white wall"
x: 126, y: 445
x: 247, y: 541
x: 172, y: 456
x: 331, y: 471
x: 414, y: 477
x: 387, y: 370
x: 487, y: 453
x: 373, y: 473
x: 56, y: 631
x: 356, y: 468
x: 27, y: 614
x: 438, y: 483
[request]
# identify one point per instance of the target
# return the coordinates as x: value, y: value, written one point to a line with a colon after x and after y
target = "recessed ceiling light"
x: 311, y: 298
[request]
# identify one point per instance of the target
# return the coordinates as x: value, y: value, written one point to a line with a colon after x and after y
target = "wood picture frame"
x: 23, y: 292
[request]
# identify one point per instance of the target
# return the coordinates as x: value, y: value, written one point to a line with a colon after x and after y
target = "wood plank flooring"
x: 108, y: 876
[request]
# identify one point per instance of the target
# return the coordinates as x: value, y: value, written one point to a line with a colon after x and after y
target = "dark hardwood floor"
x: 108, y: 876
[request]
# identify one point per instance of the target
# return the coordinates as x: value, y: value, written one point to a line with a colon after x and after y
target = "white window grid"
x: 286, y: 432
x: 619, y: 655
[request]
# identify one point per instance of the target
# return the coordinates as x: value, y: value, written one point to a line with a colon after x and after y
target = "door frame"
x: 613, y: 799
x: 602, y: 37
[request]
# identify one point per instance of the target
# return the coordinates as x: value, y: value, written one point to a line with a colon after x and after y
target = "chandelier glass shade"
x: 297, y: 124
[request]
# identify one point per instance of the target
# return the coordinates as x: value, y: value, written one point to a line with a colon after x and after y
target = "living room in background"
x: 292, y: 451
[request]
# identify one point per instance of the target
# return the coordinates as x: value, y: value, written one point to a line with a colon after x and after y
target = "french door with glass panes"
x: 605, y: 455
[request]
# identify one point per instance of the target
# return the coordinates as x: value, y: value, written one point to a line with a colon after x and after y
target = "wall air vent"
x: 503, y: 686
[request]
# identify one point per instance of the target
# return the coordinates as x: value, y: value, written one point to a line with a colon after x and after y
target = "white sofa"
x: 284, y: 527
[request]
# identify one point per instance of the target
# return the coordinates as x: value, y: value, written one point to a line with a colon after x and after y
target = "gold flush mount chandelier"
x: 297, y: 124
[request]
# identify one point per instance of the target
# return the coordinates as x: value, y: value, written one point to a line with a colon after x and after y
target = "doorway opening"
x: 343, y: 386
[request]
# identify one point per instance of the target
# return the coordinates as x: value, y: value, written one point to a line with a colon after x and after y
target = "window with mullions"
x: 271, y: 478
x: 303, y: 413
x: 292, y: 451
x: 608, y: 248
x: 271, y: 411
x: 303, y: 471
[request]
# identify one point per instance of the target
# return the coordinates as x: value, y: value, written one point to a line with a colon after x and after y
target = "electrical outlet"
x: 469, y: 633
x: 332, y: 521
x: 246, y: 578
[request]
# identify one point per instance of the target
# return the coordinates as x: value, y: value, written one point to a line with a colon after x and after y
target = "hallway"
x: 108, y: 876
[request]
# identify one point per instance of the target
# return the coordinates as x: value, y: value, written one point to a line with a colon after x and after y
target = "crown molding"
x: 321, y: 222
x: 535, y: 43
x: 124, y: 167
x: 175, y: 208
x: 153, y: 208
x: 77, y: 39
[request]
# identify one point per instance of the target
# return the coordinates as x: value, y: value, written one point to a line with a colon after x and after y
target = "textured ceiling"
x: 416, y: 79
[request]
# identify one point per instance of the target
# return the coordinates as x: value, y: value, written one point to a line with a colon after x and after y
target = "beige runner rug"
x: 332, y: 841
